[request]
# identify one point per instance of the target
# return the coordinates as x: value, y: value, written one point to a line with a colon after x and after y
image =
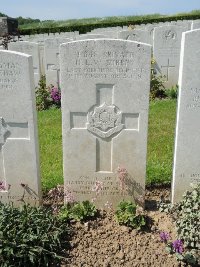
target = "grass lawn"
x: 160, y: 144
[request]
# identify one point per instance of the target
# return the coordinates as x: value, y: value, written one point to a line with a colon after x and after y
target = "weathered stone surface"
x: 166, y: 52
x: 105, y: 95
x: 32, y: 49
x: 52, y: 66
x: 89, y: 36
x: 19, y: 166
x: 195, y: 25
x: 136, y: 35
x: 187, y: 154
x: 8, y: 26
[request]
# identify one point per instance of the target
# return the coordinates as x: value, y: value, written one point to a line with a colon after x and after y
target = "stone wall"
x: 8, y: 26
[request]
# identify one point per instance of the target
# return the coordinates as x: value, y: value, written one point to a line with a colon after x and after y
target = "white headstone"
x: 52, y: 66
x: 108, y: 32
x: 182, y: 23
x: 166, y: 52
x: 42, y: 59
x: 187, y: 154
x: 136, y: 35
x: 105, y: 96
x: 195, y: 24
x: 19, y: 164
x: 89, y: 36
x: 32, y: 49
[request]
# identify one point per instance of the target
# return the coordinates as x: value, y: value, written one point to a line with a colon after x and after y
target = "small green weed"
x: 172, y: 92
x: 129, y: 214
x: 80, y: 211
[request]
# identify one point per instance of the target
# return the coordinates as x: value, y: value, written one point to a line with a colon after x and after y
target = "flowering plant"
x: 55, y: 94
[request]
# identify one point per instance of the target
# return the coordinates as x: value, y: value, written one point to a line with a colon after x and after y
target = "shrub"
x: 157, y: 89
x: 84, y: 28
x: 43, y: 99
x: 47, y: 96
x: 30, y: 236
x: 188, y: 218
x: 129, y: 214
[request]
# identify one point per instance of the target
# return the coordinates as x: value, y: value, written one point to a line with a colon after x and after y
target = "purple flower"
x: 2, y: 186
x: 178, y: 246
x: 164, y: 236
x: 56, y: 95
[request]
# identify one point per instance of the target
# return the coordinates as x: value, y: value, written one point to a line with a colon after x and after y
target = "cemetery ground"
x: 102, y: 241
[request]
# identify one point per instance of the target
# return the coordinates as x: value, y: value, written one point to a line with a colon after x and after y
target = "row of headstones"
x: 165, y: 38
x: 105, y: 100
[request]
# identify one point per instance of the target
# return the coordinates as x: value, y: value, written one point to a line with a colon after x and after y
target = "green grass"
x: 160, y: 144
x: 50, y: 139
x: 162, y: 117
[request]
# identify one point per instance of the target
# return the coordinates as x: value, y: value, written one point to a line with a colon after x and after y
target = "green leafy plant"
x: 65, y: 213
x: 172, y: 92
x: 43, y: 99
x: 80, y: 211
x: 30, y: 236
x: 188, y: 218
x: 129, y: 214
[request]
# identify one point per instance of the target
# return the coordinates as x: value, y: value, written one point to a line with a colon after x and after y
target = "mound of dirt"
x: 104, y: 243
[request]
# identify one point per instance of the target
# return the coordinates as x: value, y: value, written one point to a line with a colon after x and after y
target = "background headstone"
x: 166, y: 52
x: 136, y: 35
x: 51, y: 53
x: 32, y: 49
x: 19, y: 165
x: 89, y: 36
x: 105, y: 96
x: 187, y: 154
x: 196, y: 24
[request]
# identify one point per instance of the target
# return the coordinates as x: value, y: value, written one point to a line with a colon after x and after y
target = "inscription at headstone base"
x: 19, y: 166
x: 187, y: 154
x: 105, y: 95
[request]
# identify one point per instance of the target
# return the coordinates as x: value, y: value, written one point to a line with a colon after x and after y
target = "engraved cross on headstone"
x: 167, y: 70
x: 10, y: 130
x: 104, y: 120
x: 55, y: 67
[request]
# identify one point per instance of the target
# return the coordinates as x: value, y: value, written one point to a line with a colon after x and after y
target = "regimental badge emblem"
x: 170, y: 35
x: 104, y: 120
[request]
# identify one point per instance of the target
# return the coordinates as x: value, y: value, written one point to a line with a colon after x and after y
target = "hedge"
x: 88, y: 27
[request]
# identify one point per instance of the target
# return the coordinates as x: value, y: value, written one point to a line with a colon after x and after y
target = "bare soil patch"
x: 104, y: 243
